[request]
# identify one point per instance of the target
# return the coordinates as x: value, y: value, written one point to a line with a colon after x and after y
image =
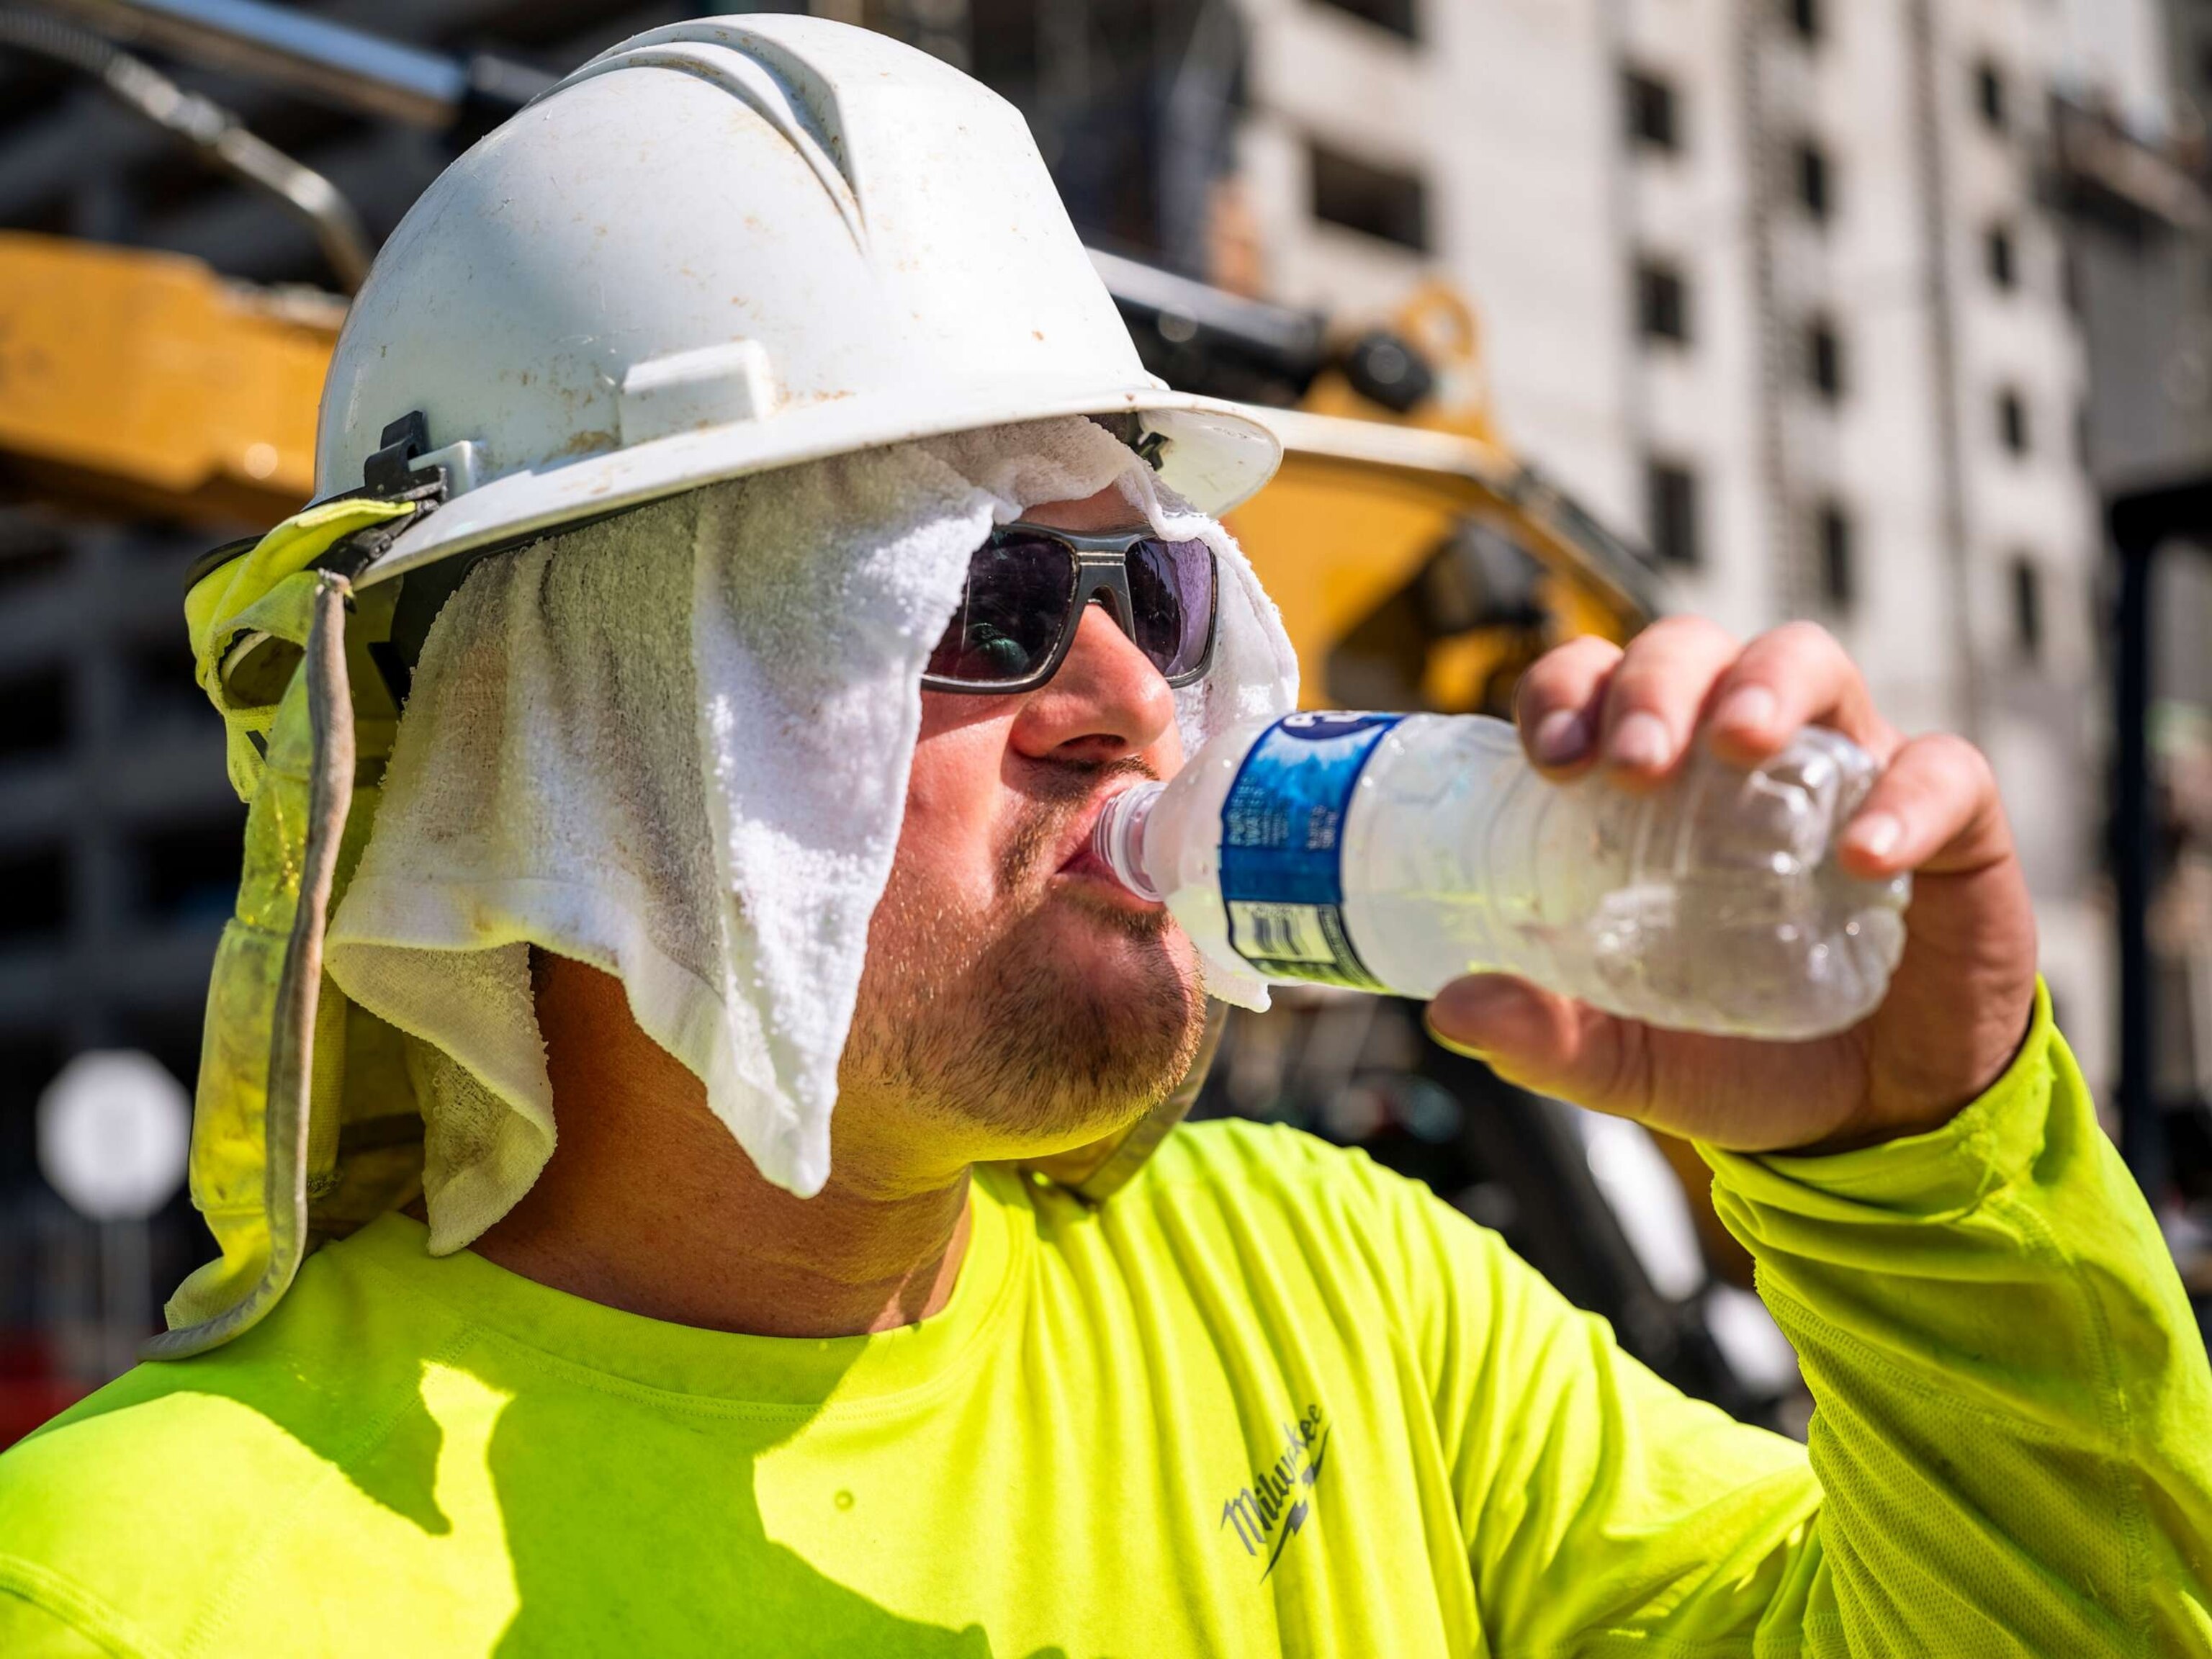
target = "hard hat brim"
x: 1219, y: 454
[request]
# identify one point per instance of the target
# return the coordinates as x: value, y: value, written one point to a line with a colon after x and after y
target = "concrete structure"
x: 1777, y: 284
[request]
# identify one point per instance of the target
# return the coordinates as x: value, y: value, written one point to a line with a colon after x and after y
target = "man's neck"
x: 648, y: 1205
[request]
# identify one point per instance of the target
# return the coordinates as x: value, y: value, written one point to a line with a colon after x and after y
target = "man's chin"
x: 1084, y: 1017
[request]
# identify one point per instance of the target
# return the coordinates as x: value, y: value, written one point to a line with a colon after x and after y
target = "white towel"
x: 675, y: 746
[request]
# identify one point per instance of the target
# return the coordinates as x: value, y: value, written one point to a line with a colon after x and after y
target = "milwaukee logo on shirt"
x: 1281, y: 1495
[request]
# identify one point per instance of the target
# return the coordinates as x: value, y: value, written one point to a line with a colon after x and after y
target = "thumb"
x: 1547, y: 1044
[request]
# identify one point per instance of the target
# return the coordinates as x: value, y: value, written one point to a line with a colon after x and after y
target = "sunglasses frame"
x: 1102, y: 571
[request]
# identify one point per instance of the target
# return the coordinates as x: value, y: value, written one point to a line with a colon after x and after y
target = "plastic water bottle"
x: 1396, y: 853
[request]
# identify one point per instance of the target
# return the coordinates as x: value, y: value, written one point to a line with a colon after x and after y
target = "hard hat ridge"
x: 728, y: 245
x: 783, y: 89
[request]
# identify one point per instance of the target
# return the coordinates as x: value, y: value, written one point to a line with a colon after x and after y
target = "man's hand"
x: 1962, y: 996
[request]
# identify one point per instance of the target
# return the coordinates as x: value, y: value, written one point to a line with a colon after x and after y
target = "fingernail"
x: 1486, y: 1013
x: 1561, y: 737
x: 1464, y: 1050
x: 1752, y: 708
x: 1642, y: 741
x: 1876, y: 834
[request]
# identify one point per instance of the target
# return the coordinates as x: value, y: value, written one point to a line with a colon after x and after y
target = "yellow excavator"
x: 1418, y: 562
x: 144, y: 384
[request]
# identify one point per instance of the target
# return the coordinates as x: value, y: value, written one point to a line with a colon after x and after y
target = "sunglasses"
x: 1029, y: 587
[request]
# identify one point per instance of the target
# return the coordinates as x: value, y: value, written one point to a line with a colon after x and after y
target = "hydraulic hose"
x: 209, y: 128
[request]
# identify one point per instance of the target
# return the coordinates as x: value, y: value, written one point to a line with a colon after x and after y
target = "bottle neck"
x: 1118, y: 838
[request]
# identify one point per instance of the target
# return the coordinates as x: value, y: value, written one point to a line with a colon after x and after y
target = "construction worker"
x: 671, y: 427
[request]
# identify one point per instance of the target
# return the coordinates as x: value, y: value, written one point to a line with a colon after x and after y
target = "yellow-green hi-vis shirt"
x: 1270, y: 1399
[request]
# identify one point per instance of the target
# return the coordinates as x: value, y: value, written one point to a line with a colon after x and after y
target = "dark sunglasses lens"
x: 1171, y: 592
x: 1010, y: 614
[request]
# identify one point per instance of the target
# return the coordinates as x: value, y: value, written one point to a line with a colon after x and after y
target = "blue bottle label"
x: 1282, y: 835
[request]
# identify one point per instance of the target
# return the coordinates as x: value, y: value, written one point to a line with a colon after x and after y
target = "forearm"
x: 2013, y: 1399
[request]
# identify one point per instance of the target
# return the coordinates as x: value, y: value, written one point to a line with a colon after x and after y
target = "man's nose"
x: 1106, y: 703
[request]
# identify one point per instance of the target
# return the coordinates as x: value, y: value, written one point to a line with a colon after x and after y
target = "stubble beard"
x: 984, y: 1021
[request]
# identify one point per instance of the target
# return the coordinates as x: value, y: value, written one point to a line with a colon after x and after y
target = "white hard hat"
x: 726, y: 246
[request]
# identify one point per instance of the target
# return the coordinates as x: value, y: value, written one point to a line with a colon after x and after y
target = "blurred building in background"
x: 1848, y: 310
x: 2142, y: 238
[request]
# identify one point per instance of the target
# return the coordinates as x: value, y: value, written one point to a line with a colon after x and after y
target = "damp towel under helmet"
x: 674, y: 745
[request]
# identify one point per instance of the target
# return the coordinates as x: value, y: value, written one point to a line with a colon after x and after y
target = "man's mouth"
x: 1080, y: 861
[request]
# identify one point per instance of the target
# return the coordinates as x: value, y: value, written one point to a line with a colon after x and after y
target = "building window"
x: 1396, y: 15
x: 1378, y: 201
x: 1663, y: 303
x: 28, y: 1063
x: 1823, y: 359
x: 1831, y: 537
x: 34, y: 894
x: 30, y: 561
x: 2012, y: 421
x: 188, y: 872
x: 2002, y: 258
x: 1653, y: 118
x: 1804, y: 18
x: 1671, y: 505
x: 1989, y: 94
x: 2027, y: 609
x: 157, y: 682
x: 1815, y: 186
x: 34, y: 715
